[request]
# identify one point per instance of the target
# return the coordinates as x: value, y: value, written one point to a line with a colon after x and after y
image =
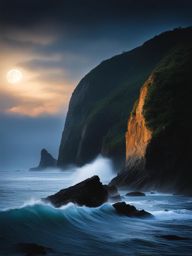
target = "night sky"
x: 54, y: 44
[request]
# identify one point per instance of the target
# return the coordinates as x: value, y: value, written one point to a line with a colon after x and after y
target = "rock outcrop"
x: 101, y: 103
x: 46, y: 161
x: 90, y: 192
x: 159, y: 139
x: 137, y: 135
x: 137, y: 138
x: 130, y: 211
x: 135, y: 193
x: 32, y: 249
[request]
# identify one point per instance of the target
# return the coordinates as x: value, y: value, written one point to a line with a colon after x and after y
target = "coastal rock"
x: 129, y: 210
x: 90, y: 192
x: 32, y: 249
x: 159, y: 127
x: 46, y: 161
x: 135, y: 193
x: 113, y: 194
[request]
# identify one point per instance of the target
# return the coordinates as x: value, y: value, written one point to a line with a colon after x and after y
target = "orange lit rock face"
x: 138, y: 135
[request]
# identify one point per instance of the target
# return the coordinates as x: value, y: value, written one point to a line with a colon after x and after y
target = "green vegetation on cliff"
x: 101, y: 103
x: 168, y: 114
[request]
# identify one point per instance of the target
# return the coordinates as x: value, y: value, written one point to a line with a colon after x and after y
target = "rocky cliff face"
x: 101, y: 103
x: 159, y: 139
x: 138, y: 135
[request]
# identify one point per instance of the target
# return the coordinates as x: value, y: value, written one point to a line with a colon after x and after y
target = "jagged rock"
x: 156, y: 134
x: 32, y: 249
x: 90, y: 192
x: 46, y: 161
x: 135, y: 193
x: 113, y: 194
x: 129, y: 210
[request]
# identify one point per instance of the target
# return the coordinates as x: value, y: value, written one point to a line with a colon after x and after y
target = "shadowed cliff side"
x: 46, y: 161
x: 164, y: 136
x: 101, y: 103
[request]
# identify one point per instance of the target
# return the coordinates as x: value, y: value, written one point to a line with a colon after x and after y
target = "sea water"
x: 74, y: 230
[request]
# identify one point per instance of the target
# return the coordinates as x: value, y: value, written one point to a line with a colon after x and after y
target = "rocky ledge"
x: 92, y: 193
x: 129, y: 210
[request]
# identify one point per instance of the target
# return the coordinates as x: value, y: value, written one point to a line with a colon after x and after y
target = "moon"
x: 14, y: 76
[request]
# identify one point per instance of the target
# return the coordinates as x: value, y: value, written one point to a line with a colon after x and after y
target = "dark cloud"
x: 78, y: 12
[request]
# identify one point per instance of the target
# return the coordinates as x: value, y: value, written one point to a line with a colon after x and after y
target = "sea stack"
x: 46, y: 161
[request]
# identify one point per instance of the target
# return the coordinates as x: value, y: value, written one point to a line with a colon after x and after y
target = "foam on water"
x: 100, y: 166
x: 81, y: 231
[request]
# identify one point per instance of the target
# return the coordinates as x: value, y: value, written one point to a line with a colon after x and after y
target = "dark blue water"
x: 73, y: 230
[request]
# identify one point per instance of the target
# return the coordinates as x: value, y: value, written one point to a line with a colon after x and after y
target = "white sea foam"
x: 102, y: 167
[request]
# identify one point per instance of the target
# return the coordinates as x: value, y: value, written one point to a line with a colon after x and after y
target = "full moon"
x: 14, y: 76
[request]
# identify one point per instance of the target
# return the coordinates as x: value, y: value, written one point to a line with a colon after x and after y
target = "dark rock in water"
x: 31, y: 249
x: 174, y: 237
x: 136, y: 193
x: 46, y: 161
x: 152, y: 192
x: 113, y: 194
x: 129, y: 210
x: 90, y: 192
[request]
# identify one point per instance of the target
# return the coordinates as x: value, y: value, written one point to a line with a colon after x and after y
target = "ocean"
x: 73, y: 230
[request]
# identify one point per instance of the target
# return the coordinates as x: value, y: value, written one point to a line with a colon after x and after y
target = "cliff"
x: 159, y: 130
x: 137, y: 135
x: 102, y: 102
x: 46, y: 161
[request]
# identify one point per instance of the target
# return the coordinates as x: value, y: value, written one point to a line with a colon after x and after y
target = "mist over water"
x: 74, y: 230
x: 102, y: 167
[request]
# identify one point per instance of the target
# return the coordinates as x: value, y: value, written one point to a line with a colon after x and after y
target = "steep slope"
x: 137, y: 135
x: 164, y: 136
x: 101, y: 103
x: 46, y: 161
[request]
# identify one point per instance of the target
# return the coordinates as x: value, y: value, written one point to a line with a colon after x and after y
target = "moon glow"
x: 14, y: 76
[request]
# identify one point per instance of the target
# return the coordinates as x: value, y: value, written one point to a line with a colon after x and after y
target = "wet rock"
x: 90, y: 192
x: 32, y: 249
x: 135, y: 193
x: 129, y: 210
x: 113, y: 194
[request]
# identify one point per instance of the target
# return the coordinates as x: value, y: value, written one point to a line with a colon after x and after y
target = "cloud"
x: 84, y: 12
x: 55, y: 43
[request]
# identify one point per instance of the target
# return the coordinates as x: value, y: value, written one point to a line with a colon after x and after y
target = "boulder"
x: 129, y: 210
x: 135, y: 193
x: 90, y: 192
x: 46, y: 161
x: 32, y: 249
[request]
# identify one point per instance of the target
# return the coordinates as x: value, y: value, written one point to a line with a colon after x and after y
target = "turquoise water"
x: 73, y: 230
